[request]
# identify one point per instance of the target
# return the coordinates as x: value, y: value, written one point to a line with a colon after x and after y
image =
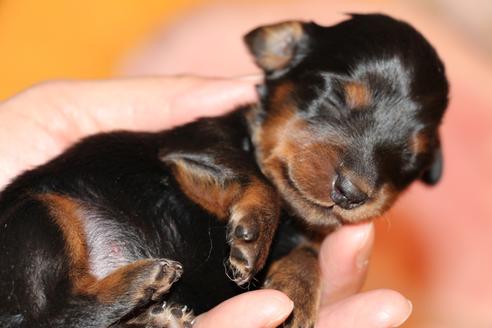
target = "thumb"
x: 257, y: 309
x: 160, y: 102
x: 74, y: 109
x: 51, y: 116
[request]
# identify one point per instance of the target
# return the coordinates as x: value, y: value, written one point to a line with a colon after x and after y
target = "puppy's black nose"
x: 346, y: 194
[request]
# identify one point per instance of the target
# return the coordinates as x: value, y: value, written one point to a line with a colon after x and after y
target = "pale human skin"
x: 41, y: 122
x: 434, y: 245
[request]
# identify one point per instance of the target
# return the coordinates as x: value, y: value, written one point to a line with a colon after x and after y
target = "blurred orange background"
x: 53, y: 39
x: 435, y: 246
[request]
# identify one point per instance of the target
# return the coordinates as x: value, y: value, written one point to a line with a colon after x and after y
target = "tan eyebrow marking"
x: 419, y: 143
x: 357, y: 95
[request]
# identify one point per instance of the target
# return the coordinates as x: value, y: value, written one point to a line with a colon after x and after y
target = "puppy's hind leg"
x: 105, y: 302
x: 45, y: 277
x: 162, y: 315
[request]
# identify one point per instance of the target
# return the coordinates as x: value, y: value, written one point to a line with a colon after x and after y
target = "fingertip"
x: 349, y: 242
x: 264, y: 308
x: 374, y: 309
x: 344, y: 259
x: 395, y: 310
x: 211, y: 97
x: 356, y: 236
x: 280, y: 308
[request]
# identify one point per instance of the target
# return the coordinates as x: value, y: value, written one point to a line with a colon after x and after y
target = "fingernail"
x: 387, y: 315
x: 407, y: 315
x: 364, y: 252
x: 278, y: 309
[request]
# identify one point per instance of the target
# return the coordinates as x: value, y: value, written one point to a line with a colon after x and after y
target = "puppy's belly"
x: 195, y: 239
x: 110, y: 244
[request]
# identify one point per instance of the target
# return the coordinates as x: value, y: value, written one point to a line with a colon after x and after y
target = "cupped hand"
x: 344, y: 260
x: 41, y: 122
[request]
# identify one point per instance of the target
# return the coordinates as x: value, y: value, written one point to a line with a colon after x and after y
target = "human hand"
x: 343, y: 259
x: 41, y: 122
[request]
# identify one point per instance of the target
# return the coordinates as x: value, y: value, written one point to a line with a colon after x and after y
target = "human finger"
x: 344, y: 258
x: 374, y: 309
x: 257, y: 309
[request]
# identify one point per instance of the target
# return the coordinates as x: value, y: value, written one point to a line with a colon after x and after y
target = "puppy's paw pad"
x: 252, y: 224
x: 164, y: 315
x: 168, y: 272
x: 248, y: 248
x: 247, y: 233
x: 156, y: 277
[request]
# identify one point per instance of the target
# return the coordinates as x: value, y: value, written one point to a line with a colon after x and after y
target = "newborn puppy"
x: 125, y: 228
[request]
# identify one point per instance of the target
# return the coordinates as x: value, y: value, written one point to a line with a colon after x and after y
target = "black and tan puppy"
x: 348, y: 118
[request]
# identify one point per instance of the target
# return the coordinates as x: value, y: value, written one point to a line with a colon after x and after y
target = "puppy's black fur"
x: 348, y: 118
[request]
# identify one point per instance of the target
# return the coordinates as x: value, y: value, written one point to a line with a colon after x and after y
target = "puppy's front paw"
x: 250, y: 232
x: 246, y: 248
x: 298, y: 276
x: 164, y: 315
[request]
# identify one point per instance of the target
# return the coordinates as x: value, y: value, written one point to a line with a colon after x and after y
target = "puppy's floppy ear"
x: 199, y: 167
x: 204, y: 179
x: 276, y: 47
x: 433, y: 174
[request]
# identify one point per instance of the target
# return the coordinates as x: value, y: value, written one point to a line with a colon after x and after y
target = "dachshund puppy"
x: 126, y: 229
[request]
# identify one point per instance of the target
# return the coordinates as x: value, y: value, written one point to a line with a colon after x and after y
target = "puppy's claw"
x: 164, y: 315
x: 162, y: 274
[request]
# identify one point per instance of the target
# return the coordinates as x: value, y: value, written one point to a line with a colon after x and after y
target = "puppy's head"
x: 349, y: 114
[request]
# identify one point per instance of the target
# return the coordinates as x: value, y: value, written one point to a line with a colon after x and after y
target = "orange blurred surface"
x: 59, y: 39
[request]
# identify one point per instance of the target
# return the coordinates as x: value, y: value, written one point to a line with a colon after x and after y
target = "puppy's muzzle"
x: 346, y: 194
